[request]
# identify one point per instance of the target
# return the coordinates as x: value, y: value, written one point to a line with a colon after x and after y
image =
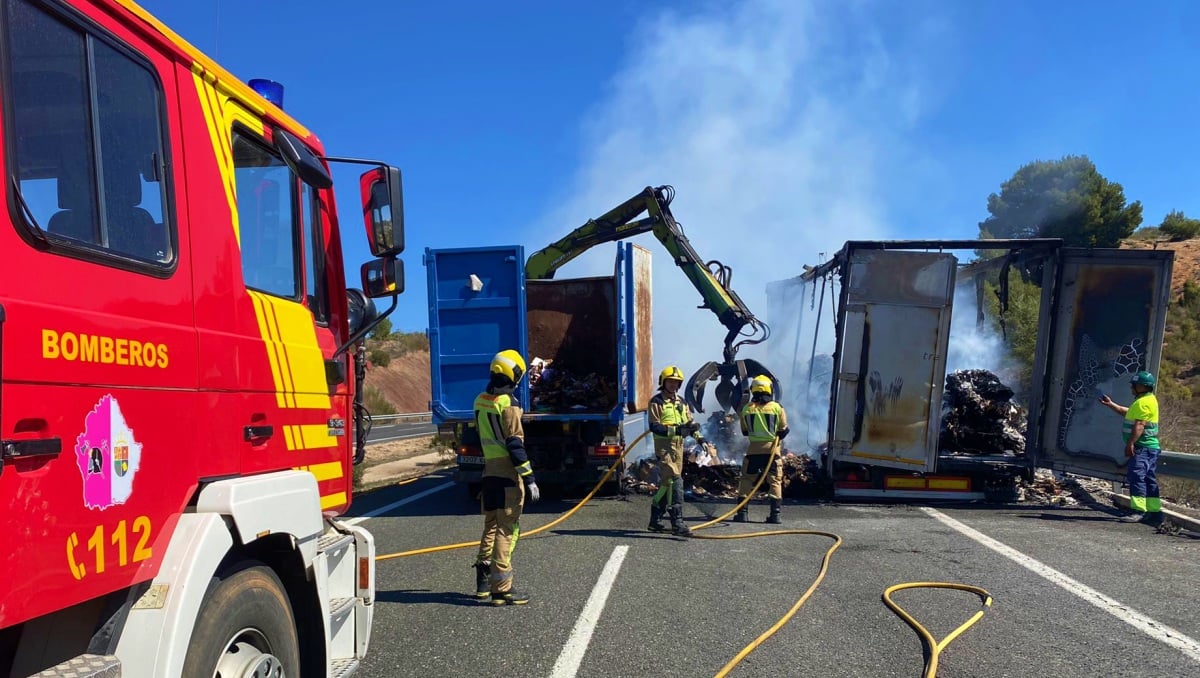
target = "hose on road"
x: 935, y: 646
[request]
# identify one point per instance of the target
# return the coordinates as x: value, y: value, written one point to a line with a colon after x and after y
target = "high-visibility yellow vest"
x: 674, y: 413
x: 488, y: 409
x: 1143, y: 408
x: 762, y: 421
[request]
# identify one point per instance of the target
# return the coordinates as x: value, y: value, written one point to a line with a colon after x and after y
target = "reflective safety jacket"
x: 1144, y: 408
x: 666, y: 414
x: 502, y: 437
x: 765, y: 424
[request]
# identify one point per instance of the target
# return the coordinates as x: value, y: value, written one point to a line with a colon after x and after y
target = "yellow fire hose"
x: 935, y: 646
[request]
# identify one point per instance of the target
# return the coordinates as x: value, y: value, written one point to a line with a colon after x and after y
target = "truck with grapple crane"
x: 483, y: 300
x: 180, y: 379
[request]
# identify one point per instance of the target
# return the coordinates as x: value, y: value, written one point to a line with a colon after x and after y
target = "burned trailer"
x: 1101, y: 318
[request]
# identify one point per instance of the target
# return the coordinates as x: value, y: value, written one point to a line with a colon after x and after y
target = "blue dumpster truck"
x: 481, y: 302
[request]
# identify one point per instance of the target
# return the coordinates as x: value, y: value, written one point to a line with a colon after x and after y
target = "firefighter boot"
x: 774, y: 517
x: 482, y: 570
x: 509, y: 598
x: 656, y: 512
x: 678, y: 527
x: 742, y: 514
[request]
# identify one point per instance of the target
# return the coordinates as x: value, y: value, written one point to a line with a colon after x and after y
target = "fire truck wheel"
x: 245, y: 628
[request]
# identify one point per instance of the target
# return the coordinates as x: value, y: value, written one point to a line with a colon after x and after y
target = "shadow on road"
x: 426, y: 596
x: 1111, y: 516
x: 1071, y: 518
x: 616, y: 533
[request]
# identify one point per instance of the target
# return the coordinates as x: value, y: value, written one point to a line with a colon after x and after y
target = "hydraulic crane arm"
x: 711, y: 279
x: 615, y: 224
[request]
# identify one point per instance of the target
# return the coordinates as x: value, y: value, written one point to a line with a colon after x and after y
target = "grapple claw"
x: 694, y: 391
x: 733, y: 383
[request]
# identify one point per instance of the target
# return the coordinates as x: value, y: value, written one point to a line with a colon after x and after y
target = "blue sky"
x: 786, y: 127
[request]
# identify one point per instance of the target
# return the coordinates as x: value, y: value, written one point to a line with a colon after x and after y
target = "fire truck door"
x: 295, y: 418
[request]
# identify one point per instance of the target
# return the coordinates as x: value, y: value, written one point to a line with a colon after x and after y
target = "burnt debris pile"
x: 979, y: 415
x: 718, y: 479
x: 802, y: 477
x: 560, y: 390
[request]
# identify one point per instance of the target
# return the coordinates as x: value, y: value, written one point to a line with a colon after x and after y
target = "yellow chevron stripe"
x: 291, y: 440
x: 314, y: 437
x: 276, y: 341
x: 272, y: 347
x: 330, y: 500
x: 302, y: 363
x: 327, y: 471
x: 216, y: 124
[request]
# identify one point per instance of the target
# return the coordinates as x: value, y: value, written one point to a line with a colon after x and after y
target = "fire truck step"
x: 338, y: 607
x: 86, y: 666
x: 332, y: 541
x: 341, y: 668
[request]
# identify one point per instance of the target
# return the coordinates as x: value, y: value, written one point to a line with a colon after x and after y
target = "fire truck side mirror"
x: 383, y: 210
x: 383, y: 278
x: 302, y: 161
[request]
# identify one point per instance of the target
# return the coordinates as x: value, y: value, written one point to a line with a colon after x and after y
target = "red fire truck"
x: 177, y: 398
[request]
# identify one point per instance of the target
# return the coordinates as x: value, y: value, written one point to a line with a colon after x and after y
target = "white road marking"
x: 572, y: 653
x: 1137, y: 620
x: 396, y: 504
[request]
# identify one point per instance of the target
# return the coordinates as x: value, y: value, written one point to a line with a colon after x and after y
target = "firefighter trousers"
x: 1143, y: 481
x: 669, y: 496
x: 501, y: 502
x: 753, y: 466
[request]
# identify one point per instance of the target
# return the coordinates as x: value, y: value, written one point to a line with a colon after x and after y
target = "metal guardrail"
x: 1179, y: 465
x: 1176, y: 464
x: 409, y: 418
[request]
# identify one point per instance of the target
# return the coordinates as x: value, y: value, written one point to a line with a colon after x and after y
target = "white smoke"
x: 800, y: 352
x: 973, y: 346
x: 773, y: 120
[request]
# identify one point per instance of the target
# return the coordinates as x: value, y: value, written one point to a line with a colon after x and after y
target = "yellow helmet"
x: 760, y: 384
x: 510, y: 364
x: 671, y: 372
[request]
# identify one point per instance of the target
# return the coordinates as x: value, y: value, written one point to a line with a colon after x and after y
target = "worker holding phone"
x: 1140, y: 432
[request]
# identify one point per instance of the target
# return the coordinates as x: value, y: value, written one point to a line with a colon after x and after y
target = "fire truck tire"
x: 245, y: 627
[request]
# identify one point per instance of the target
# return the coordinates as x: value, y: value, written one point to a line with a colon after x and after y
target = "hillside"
x: 1180, y: 368
x: 1187, y: 259
x: 398, y: 373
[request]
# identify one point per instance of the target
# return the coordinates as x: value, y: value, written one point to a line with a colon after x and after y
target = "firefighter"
x: 1140, y: 432
x: 505, y: 466
x: 765, y: 423
x: 670, y: 422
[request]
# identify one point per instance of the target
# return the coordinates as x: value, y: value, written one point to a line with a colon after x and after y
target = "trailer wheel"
x: 245, y: 628
x: 1001, y: 491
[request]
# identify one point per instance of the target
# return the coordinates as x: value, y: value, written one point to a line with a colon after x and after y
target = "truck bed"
x: 574, y: 324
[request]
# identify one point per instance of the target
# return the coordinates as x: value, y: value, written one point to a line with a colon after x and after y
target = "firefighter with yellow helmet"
x: 670, y: 422
x: 507, y: 479
x: 764, y: 422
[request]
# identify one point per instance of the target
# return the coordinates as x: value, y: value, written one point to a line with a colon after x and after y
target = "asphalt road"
x: 1076, y: 593
x: 381, y: 433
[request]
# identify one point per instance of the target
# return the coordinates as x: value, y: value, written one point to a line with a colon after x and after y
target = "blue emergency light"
x: 269, y: 89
